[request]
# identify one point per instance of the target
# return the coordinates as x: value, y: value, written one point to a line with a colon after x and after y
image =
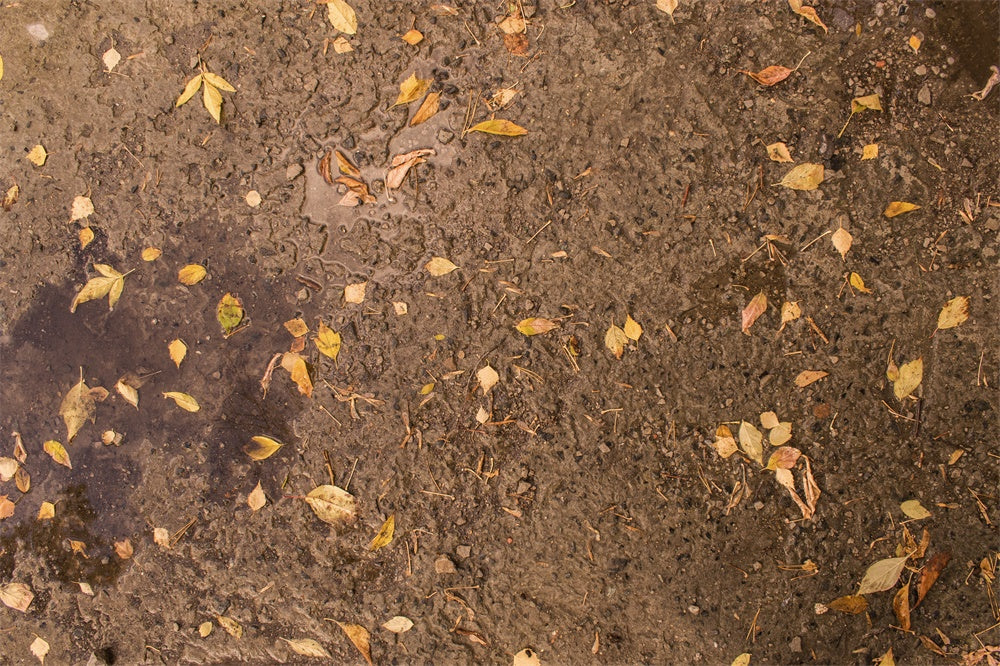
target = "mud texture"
x: 589, y: 519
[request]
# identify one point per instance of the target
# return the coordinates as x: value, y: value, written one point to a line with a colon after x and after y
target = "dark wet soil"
x: 589, y: 518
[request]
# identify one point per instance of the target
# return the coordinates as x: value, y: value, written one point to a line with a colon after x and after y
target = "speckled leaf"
x: 342, y: 16
x: 954, y: 312
x: 333, y: 505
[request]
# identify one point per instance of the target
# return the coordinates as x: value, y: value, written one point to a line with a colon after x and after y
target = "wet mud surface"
x: 589, y: 518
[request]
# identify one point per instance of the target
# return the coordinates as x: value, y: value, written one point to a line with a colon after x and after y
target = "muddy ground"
x: 590, y: 519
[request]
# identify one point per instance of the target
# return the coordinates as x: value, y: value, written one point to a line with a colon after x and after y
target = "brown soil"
x: 589, y: 519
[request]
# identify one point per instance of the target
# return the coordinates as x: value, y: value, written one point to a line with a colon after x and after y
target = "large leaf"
x: 882, y: 575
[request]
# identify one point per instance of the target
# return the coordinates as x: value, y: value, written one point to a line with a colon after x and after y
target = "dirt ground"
x: 590, y: 518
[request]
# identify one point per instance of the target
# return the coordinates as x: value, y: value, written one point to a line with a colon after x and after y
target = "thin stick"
x: 827, y: 233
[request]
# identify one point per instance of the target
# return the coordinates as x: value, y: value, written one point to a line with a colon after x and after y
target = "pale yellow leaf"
x: 399, y: 624
x: 790, y: 311
x: 86, y: 588
x: 218, y: 82
x: 39, y: 648
x: 873, y: 102
x: 229, y: 313
x: 914, y: 509
x: 47, y: 511
x: 355, y: 293
x: 81, y: 209
x: 725, y: 443
x: 151, y: 253
x: 127, y: 392
x: 77, y: 407
x: 307, y: 647
x: 359, y: 636
x: 333, y: 505
x: 526, y: 657
x: 205, y: 629
x: 754, y: 309
x: 898, y: 208
x: 752, y: 442
x: 256, y: 499
x: 262, y: 447
x: 232, y: 627
x: 780, y: 433
x: 411, y: 89
x: 954, y: 312
x: 869, y: 152
x: 805, y: 176
x: 882, y: 575
x: 111, y: 58
x: 161, y: 537
x: 842, y: 240
x: 212, y: 99
x: 439, y: 266
x: 86, y: 236
x: 183, y: 400
x: 807, y: 377
x: 17, y: 596
x: 536, y: 325
x: 189, y: 90
x: 513, y: 24
x: 633, y: 331
x: 778, y: 152
x: 191, y: 274
x: 341, y: 45
x: 328, y: 341
x: 384, y: 536
x: 910, y: 376
x: 667, y: 7
x: 742, y: 659
x: 615, y: 340
x: 8, y: 468
x: 253, y: 198
x: 37, y: 155
x: 500, y: 127
x: 413, y: 37
x: 427, y: 108
x: 177, y: 350
x: 342, y: 16
x: 769, y: 420
x: 123, y: 549
x: 488, y: 378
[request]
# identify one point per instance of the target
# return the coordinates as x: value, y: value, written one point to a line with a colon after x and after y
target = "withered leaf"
x: 784, y: 457
x: 399, y: 624
x: 110, y: 284
x: 333, y: 505
x: 183, y: 400
x: 190, y: 88
x: 10, y: 198
x: 901, y: 607
x: 852, y: 604
x: 401, y: 165
x: 488, y: 378
x: 205, y: 629
x: 807, y: 377
x: 128, y: 392
x: 37, y: 155
x: 898, y: 208
x: 725, y: 443
x: 752, y: 442
x: 81, y: 208
x: 8, y: 467
x: 229, y: 313
x: 151, y: 253
x: 859, y: 104
x: 914, y: 509
x: 615, y: 340
x: 345, y: 166
x: 536, y: 325
x: 17, y: 596
x: 790, y: 311
x: 299, y: 372
x: 342, y: 16
x: 807, y: 13
x: 39, y: 648
x: 256, y: 499
x: 177, y: 350
x: 805, y: 176
x: 123, y: 549
x: 780, y: 433
x: 869, y: 152
x: 191, y: 274
x: 842, y: 240
x: 78, y: 407
x: 516, y: 44
x: 742, y: 659
x: 769, y: 420
x: 667, y: 7
x: 439, y: 266
x: 357, y: 191
x: 22, y: 480
x: 752, y: 312
x: 212, y: 99
x: 954, y: 312
x: 633, y: 331
x: 355, y: 293
x: 427, y: 108
x: 500, y: 127
x: 413, y: 37
x: 262, y: 447
x: 232, y: 627
x: 769, y: 76
x: 858, y: 283
x: 882, y: 575
x: 307, y: 647
x: 111, y: 58
x: 341, y: 45
x: 909, y: 378
x: 328, y: 341
x: 778, y: 152
x: 411, y: 89
x: 385, y: 533
x: 6, y: 507
x: 46, y: 511
x: 526, y: 657
x: 930, y: 573
x: 513, y: 24
x: 296, y: 327
x: 86, y: 236
x: 359, y: 636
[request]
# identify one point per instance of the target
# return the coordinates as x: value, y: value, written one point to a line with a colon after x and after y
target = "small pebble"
x: 694, y: 610
x: 293, y: 171
x: 463, y: 552
x: 924, y: 96
x: 796, y: 644
x: 443, y: 565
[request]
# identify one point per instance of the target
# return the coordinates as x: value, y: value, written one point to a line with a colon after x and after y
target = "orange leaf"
x: 930, y: 575
x: 807, y: 377
x: 769, y: 76
x: 500, y: 127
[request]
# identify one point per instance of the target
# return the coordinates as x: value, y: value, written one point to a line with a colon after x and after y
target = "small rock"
x: 930, y: 13
x: 293, y: 171
x: 924, y: 96
x: 796, y: 644
x: 443, y: 565
x: 445, y: 136
x: 38, y: 32
x: 694, y: 610
x: 758, y: 505
x: 463, y: 552
x: 523, y: 487
x: 920, y: 70
x: 603, y: 448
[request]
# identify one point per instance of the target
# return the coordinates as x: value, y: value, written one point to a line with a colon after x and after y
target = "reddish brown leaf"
x: 769, y: 76
x: 516, y: 44
x: 357, y: 187
x: 345, y: 166
x: 901, y: 607
x: 323, y: 167
x: 852, y: 604
x: 930, y: 574
x: 754, y: 309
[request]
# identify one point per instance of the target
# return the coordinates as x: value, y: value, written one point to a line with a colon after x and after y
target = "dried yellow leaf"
x: 858, y: 283
x: 17, y: 596
x: 725, y: 443
x: 46, y: 511
x: 769, y: 420
x: 384, y: 536
x: 633, y: 331
x: 427, y: 108
x: 615, y: 340
x: 77, y: 407
x: 342, y: 16
x: 299, y: 372
x: 262, y: 447
x: 790, y: 311
x: 127, y: 392
x: 331, y: 504
x: 439, y: 266
x: 327, y: 341
x: 359, y: 636
x: 183, y: 400
x: 898, y: 208
x: 399, y: 624
x: 842, y: 241
x: 742, y: 659
x: 10, y: 198
x: 212, y: 99
x: 667, y: 7
x: 177, y: 350
x: 852, y: 604
x: 191, y: 274
x: 500, y: 127
x: 869, y: 152
x: 873, y: 102
x: 778, y: 152
x: 954, y: 312
x: 37, y: 155
x: 882, y: 575
x: 488, y: 378
x: 256, y: 499
x: 307, y: 647
x: 86, y: 237
x: 189, y: 90
x: 806, y: 176
x: 161, y: 537
x: 355, y: 293
x: 536, y: 325
x: 914, y: 509
x: 297, y: 327
x: 151, y: 253
x: 914, y: 41
x: 341, y: 45
x: 231, y: 626
x: 123, y: 549
x: 58, y: 452
x: 411, y: 89
x: 218, y: 82
x: 6, y: 507
x: 413, y: 37
x: 780, y: 433
x: 205, y: 628
x: 910, y: 376
x: 807, y: 13
x: 752, y: 442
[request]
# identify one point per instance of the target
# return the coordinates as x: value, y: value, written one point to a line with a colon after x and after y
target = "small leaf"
x: 298, y: 369
x: 769, y: 76
x: 807, y: 13
x: 296, y: 327
x: 954, y: 312
x: 307, y: 647
x: 769, y: 420
x: 872, y: 102
x: 205, y: 629
x: 333, y: 505
x: 852, y: 604
x: 898, y: 208
x: 183, y: 400
x: 633, y: 331
x: 123, y: 549
x: 536, y: 326
x: 413, y: 37
x: 914, y: 42
x: 189, y: 90
x: 218, y: 82
x: 910, y: 376
x: 742, y: 659
x: 86, y: 237
x: 46, y: 511
x: 935, y: 565
x: 212, y: 99
x: 39, y: 647
x: 858, y: 283
x: 914, y: 509
x: 754, y: 309
x: 78, y: 407
x: 8, y: 468
x: 384, y: 536
x: 778, y: 152
x: 191, y: 274
x: 17, y: 596
x: 411, y: 89
x: 161, y: 537
x: 725, y: 443
x: 439, y: 266
x: 488, y: 378
x: 127, y: 392
x: 615, y: 340
x: 359, y: 636
x: 177, y: 350
x: 231, y: 626
x: 399, y: 624
x: 111, y: 58
x: 806, y: 176
x: 427, y: 109
x: 355, y: 293
x: 97, y: 287
x: 342, y: 16
x: 341, y: 45
x: 345, y: 166
x: 869, y: 152
x: 807, y: 377
x: 780, y: 433
x: 256, y: 499
x: 261, y: 447
x: 784, y: 457
x: 842, y: 240
x: 37, y: 155
x: 790, y: 311
x: 667, y: 7
x: 751, y: 441
x: 327, y: 341
x: 229, y: 313
x: 401, y: 165
x: 500, y: 127
x: 151, y: 253
x: 882, y: 575
x: 6, y: 507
